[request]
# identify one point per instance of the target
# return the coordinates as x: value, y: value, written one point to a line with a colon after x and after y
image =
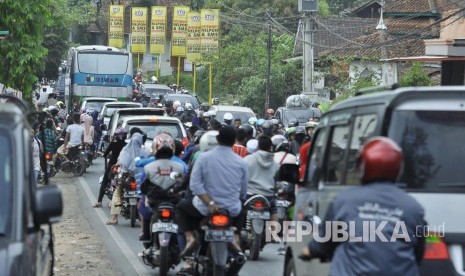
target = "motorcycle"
x: 213, y: 257
x: 126, y: 181
x: 75, y: 165
x: 252, y: 236
x: 163, y: 251
x: 87, y: 155
x: 51, y: 172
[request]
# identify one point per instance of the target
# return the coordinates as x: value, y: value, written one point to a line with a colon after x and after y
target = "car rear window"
x: 152, y: 129
x: 432, y: 142
x: 96, y: 105
x: 6, y: 182
x: 110, y: 110
x: 183, y: 99
x: 244, y: 116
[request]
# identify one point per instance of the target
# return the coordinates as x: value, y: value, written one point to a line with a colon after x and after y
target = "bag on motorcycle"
x: 288, y: 173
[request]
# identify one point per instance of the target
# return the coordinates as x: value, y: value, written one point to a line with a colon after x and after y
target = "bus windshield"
x: 98, y: 63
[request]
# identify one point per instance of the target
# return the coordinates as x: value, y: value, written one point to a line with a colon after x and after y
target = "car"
x: 154, y: 125
x: 120, y: 114
x: 238, y: 112
x: 183, y: 98
x: 27, y: 211
x: 109, y: 108
x: 297, y: 107
x: 155, y: 90
x: 428, y: 124
x: 95, y: 102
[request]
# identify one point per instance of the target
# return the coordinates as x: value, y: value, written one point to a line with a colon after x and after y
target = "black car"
x: 26, y: 211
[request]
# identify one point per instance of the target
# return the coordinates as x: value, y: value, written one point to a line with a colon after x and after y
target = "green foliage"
x: 21, y: 55
x: 323, y: 8
x: 415, y: 77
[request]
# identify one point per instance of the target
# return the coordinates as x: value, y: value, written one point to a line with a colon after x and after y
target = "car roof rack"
x: 374, y: 89
x: 17, y: 101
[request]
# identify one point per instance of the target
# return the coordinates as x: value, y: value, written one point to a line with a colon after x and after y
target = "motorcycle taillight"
x: 115, y: 169
x: 165, y: 214
x: 133, y: 185
x: 219, y: 220
x: 48, y: 156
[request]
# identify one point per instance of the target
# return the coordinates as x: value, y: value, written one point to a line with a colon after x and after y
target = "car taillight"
x: 219, y: 220
x: 435, y: 248
x: 48, y: 156
x: 133, y: 185
x: 165, y: 214
x: 185, y: 141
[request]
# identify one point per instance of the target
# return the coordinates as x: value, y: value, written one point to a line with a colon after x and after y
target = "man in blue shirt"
x: 218, y: 181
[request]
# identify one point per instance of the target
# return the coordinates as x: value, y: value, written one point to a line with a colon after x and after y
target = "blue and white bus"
x: 97, y: 71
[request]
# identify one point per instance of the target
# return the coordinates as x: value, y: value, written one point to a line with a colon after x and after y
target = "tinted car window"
x: 317, y: 153
x: 152, y: 129
x: 433, y: 147
x: 336, y: 156
x: 183, y: 99
x: 301, y: 115
x: 244, y: 116
x: 364, y: 127
x: 6, y: 183
x: 95, y: 105
x: 110, y: 110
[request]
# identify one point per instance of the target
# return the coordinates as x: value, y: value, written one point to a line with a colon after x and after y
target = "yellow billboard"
x: 179, y: 34
x: 193, y: 37
x: 158, y: 30
x: 138, y: 30
x: 210, y: 21
x: 116, y: 26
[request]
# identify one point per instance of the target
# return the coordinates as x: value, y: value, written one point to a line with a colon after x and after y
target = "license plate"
x: 130, y: 194
x: 219, y: 235
x: 258, y: 215
x: 164, y: 227
x: 282, y: 203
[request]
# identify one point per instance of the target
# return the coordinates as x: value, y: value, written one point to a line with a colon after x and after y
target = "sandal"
x: 186, y: 271
x: 98, y: 205
x: 189, y: 249
x: 111, y: 222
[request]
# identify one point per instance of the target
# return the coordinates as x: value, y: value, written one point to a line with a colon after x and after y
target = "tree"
x: 21, y: 55
x: 415, y: 77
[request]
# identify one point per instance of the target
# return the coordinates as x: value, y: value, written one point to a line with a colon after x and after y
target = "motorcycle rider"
x: 237, y: 123
x: 218, y: 181
x: 239, y: 147
x: 227, y: 119
x: 157, y: 176
x: 74, y: 136
x: 262, y: 169
x: 269, y: 113
x: 379, y: 165
x: 298, y: 141
x: 216, y: 101
x: 189, y: 114
x: 89, y: 130
x: 126, y: 160
x: 206, y: 116
x: 193, y: 141
x: 115, y: 147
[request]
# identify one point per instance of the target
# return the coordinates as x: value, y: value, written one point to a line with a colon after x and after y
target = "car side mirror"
x: 103, y: 127
x: 48, y: 205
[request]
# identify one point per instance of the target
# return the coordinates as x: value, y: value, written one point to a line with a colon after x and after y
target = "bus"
x: 97, y: 71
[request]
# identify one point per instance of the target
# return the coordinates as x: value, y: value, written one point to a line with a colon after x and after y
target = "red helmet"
x: 380, y: 159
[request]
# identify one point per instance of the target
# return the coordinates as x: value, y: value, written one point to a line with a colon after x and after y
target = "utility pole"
x: 268, y: 70
x: 308, y: 74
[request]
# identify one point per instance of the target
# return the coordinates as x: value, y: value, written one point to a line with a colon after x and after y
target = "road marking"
x: 117, y: 238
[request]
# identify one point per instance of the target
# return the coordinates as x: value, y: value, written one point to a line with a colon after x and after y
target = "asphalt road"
x: 122, y: 241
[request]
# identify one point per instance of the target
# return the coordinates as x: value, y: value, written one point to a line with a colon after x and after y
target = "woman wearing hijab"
x: 88, y: 130
x: 97, y: 131
x: 127, y: 161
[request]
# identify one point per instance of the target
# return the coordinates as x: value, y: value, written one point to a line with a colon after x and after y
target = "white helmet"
x: 154, y: 79
x: 189, y: 106
x: 208, y: 140
x: 228, y: 117
x: 176, y: 104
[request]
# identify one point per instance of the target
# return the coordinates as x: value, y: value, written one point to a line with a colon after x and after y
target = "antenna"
x: 381, y: 25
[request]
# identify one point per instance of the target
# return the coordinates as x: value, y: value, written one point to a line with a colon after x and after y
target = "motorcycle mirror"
x: 175, y: 175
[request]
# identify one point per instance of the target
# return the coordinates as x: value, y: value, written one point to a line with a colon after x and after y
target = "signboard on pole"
x: 138, y: 30
x: 210, y: 21
x: 193, y: 37
x: 179, y: 33
x: 116, y: 26
x: 158, y: 30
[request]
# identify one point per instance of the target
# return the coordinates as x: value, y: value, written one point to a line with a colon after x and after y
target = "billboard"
x: 210, y: 20
x: 158, y: 30
x: 179, y: 33
x: 193, y: 37
x: 138, y: 30
x: 116, y: 26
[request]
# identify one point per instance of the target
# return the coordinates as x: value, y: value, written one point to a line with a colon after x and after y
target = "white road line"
x: 118, y: 239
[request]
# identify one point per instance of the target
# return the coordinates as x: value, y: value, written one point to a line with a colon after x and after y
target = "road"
x: 122, y: 241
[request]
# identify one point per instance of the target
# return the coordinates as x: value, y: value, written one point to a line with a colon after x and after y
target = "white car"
x: 109, y: 109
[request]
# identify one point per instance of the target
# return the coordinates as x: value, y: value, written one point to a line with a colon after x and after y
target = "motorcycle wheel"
x: 164, y: 261
x: 79, y: 168
x: 255, y: 247
x: 133, y: 215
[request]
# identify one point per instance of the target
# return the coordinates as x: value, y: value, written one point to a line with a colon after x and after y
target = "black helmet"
x: 197, y: 135
x: 293, y: 123
x: 216, y: 101
x: 248, y: 128
x: 300, y: 130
